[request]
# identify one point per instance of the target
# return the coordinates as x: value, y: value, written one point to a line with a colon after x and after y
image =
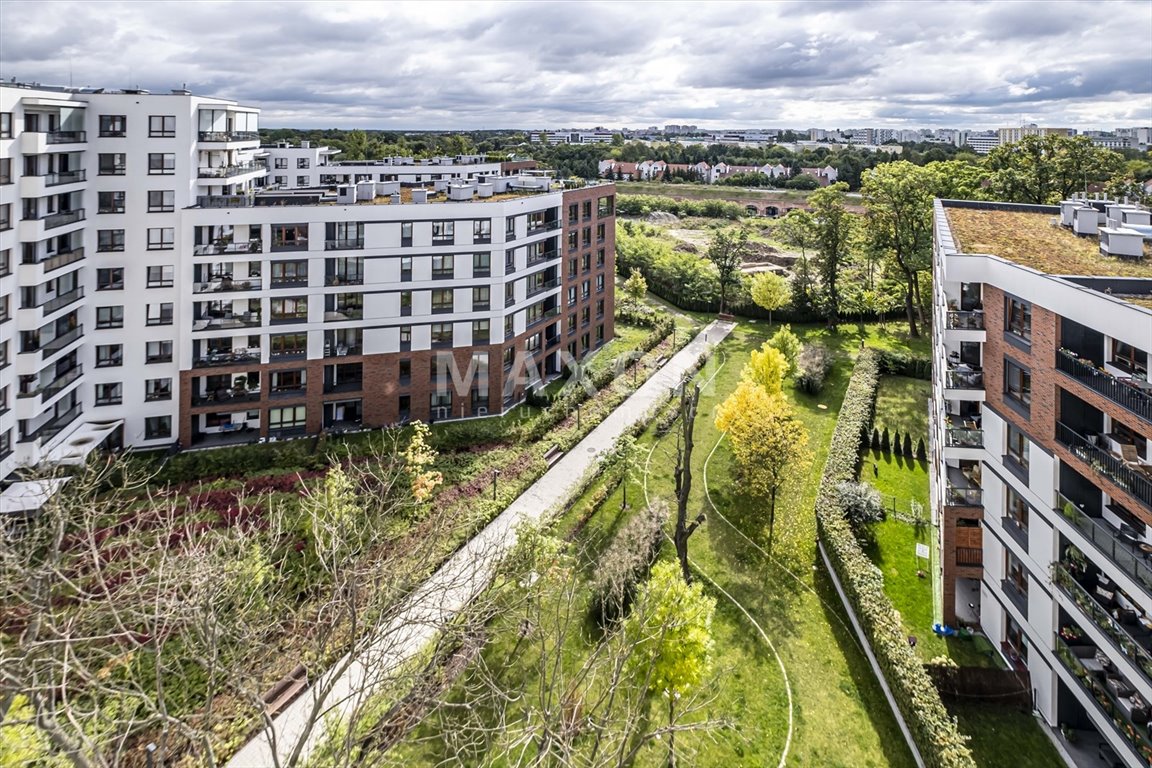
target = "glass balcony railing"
x: 1124, y: 554
x: 964, y: 497
x: 52, y: 427
x: 65, y: 177
x: 221, y: 136
x: 228, y: 171
x: 236, y: 357
x: 966, y: 321
x: 67, y: 137
x: 344, y: 244
x: 1128, y: 478
x: 60, y: 383
x: 960, y: 437
x: 1131, y: 394
x: 1107, y: 701
x: 61, y: 341
x: 61, y: 301
x: 961, y: 379
x: 1100, y: 616
x: 53, y: 220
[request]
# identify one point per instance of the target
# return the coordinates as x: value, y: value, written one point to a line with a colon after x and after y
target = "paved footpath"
x: 341, y: 690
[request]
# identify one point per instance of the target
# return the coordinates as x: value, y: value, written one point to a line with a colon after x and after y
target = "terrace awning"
x: 74, y: 449
x: 30, y: 495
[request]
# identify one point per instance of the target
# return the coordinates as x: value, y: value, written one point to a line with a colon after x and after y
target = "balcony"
x: 224, y: 201
x: 1132, y: 394
x: 543, y: 257
x: 1133, y: 639
x: 342, y: 350
x: 53, y: 220
x: 963, y: 437
x: 227, y: 286
x: 537, y: 227
x: 236, y: 357
x: 218, y: 137
x: 228, y: 171
x: 66, y: 137
x: 1129, y: 477
x: 963, y: 488
x: 345, y: 279
x: 48, y: 306
x: 1128, y: 554
x: 55, y: 261
x: 53, y: 427
x: 351, y: 385
x: 56, y: 386
x: 532, y: 322
x: 224, y: 322
x: 546, y: 285
x: 352, y: 244
x: 1017, y: 596
x: 288, y: 390
x: 228, y: 396
x: 965, y: 321
x: 963, y: 377
x: 1104, y: 692
x: 347, y: 313
x: 255, y: 245
x: 61, y: 341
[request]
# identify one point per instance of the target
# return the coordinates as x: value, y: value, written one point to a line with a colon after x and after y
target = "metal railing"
x: 228, y: 171
x: 61, y: 341
x: 348, y: 244
x: 1017, y: 596
x: 52, y: 427
x: 58, y: 260
x: 227, y: 286
x: 965, y: 321
x: 60, y: 383
x: 1106, y: 539
x: 344, y: 279
x: 61, y: 301
x: 54, y: 220
x: 1111, y: 467
x: 67, y: 177
x: 227, y: 358
x: 542, y: 286
x: 962, y: 437
x: 1129, y: 396
x: 1100, y: 616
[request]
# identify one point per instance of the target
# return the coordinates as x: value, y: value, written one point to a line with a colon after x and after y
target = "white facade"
x: 307, y: 166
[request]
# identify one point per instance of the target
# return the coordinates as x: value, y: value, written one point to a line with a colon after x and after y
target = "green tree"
x: 635, y: 287
x: 727, y: 252
x: 959, y: 179
x: 689, y: 400
x: 898, y: 225
x: 671, y: 627
x: 1047, y: 169
x: 788, y: 343
x: 833, y: 229
x: 771, y: 291
x: 625, y: 457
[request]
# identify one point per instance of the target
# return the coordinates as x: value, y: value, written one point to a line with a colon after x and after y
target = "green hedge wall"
x: 940, y: 742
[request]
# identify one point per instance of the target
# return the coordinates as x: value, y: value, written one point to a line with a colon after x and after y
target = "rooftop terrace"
x: 1032, y: 239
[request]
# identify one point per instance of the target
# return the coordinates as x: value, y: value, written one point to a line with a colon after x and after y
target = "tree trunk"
x: 771, y: 519
x: 684, y: 478
x: 910, y: 305
x: 671, y: 730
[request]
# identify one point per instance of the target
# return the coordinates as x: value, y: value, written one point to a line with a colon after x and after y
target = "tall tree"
x: 689, y: 398
x: 771, y: 291
x: 898, y: 225
x: 833, y: 228
x: 728, y: 251
x: 1049, y: 168
x: 769, y: 443
x: 766, y: 368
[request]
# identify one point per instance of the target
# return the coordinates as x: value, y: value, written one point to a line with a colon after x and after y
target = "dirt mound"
x: 662, y: 217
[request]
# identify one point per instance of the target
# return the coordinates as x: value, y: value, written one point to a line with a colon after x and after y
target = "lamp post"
x: 495, y: 474
x: 149, y: 754
x: 577, y: 415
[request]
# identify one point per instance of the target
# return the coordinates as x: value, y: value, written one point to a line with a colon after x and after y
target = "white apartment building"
x: 291, y: 166
x: 982, y: 142
x: 1041, y: 455
x: 153, y: 290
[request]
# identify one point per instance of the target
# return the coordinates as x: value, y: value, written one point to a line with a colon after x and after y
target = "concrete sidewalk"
x: 460, y: 579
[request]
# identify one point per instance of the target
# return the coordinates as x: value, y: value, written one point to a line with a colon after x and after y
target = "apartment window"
x: 1129, y: 358
x: 586, y: 262
x: 5, y: 125
x: 1017, y: 447
x: 1017, y: 383
x: 586, y: 289
x: 405, y: 268
x: 157, y: 389
x: 482, y: 231
x: 600, y: 257
x: 443, y: 232
x: 585, y: 315
x: 162, y: 126
x: 1017, y: 575
x: 481, y: 297
x: 281, y: 164
x: 343, y: 235
x: 161, y: 238
x: 600, y: 232
x: 291, y: 309
x: 406, y: 233
x: 5, y: 217
x: 156, y: 427
x: 161, y: 163
x: 289, y: 237
x: 573, y: 213
x: 161, y: 200
x: 405, y: 337
x: 600, y: 308
x: 303, y: 163
x: 158, y: 352
x: 110, y: 202
x: 111, y: 164
x: 443, y: 267
x: 571, y: 295
x: 109, y: 240
x: 573, y: 266
x: 110, y: 317
x: 586, y: 209
x: 586, y: 237
x: 5, y: 262
x: 405, y: 303
x: 159, y: 314
x: 5, y: 170
x: 442, y: 301
x: 279, y: 181
x: 405, y: 371
x: 599, y: 335
x: 481, y: 264
x: 109, y: 355
x: 301, y: 181
x: 110, y: 279
x: 510, y: 228
x: 1016, y: 510
x: 605, y: 206
x: 481, y: 329
x: 441, y: 334
x: 509, y: 357
x: 160, y: 277
x: 573, y: 242
x: 599, y: 283
x: 289, y: 273
x: 1018, y: 318
x: 113, y: 125
x: 111, y: 393
x: 404, y: 406
x: 440, y: 403
x: 288, y: 344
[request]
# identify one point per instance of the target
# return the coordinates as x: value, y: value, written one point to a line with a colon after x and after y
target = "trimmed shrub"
x: 904, y: 363
x: 812, y: 366
x: 885, y: 441
x: 862, y: 506
x: 921, y: 451
x: 896, y: 442
x: 626, y: 562
x: 907, y: 445
x: 933, y: 729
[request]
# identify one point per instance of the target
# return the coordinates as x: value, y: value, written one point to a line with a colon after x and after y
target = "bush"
x: 862, y: 506
x: 933, y: 729
x: 904, y: 363
x: 626, y: 562
x: 812, y: 368
x: 642, y: 205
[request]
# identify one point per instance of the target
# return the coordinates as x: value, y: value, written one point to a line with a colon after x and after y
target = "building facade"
x: 1041, y: 426
x: 156, y: 286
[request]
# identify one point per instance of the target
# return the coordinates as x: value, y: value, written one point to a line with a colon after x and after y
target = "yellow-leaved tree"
x: 766, y: 368
x: 418, y: 457
x: 769, y: 443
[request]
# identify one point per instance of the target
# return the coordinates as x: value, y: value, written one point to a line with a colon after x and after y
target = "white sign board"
x: 922, y: 551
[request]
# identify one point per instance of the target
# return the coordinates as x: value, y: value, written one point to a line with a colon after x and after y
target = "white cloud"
x: 504, y: 64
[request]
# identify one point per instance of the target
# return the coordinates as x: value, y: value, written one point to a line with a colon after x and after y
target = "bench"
x: 553, y: 455
x: 285, y: 691
x: 659, y: 362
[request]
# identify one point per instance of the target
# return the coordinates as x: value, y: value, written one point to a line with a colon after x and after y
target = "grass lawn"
x: 704, y: 192
x: 902, y: 405
x: 1005, y: 737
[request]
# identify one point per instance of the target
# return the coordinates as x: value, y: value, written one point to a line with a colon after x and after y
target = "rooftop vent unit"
x: 1135, y: 217
x: 1066, y: 209
x: 1121, y: 243
x: 181, y: 92
x: 419, y: 195
x: 460, y: 192
x: 1086, y: 220
x: 345, y: 194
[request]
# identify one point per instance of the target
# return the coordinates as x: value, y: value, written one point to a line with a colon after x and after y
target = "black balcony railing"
x: 52, y: 427
x: 1113, y: 468
x: 1016, y: 595
x: 57, y: 260
x: 224, y: 201
x: 61, y: 301
x: 1102, y: 618
x: 1128, y: 393
x: 966, y: 321
x: 61, y: 341
x: 542, y: 286
x: 1124, y: 554
x: 60, y: 383
x: 1103, y: 697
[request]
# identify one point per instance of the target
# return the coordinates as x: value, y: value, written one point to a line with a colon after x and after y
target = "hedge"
x: 935, y: 732
x: 906, y: 364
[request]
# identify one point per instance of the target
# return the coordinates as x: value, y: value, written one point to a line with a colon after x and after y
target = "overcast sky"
x: 441, y: 65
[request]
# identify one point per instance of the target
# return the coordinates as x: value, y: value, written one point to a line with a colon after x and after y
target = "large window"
x: 161, y: 239
x: 286, y: 418
x: 1018, y: 318
x: 288, y: 237
x: 156, y: 427
x: 5, y: 125
x: 1018, y: 447
x: 291, y: 309
x: 161, y: 201
x: 111, y: 164
x: 1016, y: 510
x: 113, y: 125
x: 605, y: 206
x: 480, y: 331
x: 111, y: 393
x: 110, y: 317
x: 161, y: 276
x: 157, y: 389
x: 482, y: 231
x: 1017, y: 383
x: 110, y: 279
x: 443, y: 232
x: 159, y: 314
x: 161, y: 164
x: 289, y: 273
x: 481, y: 264
x: 443, y: 267
x: 162, y: 126
x: 288, y: 344
x: 109, y: 355
x: 158, y: 352
x: 110, y: 202
x: 1129, y: 358
x: 442, y: 301
x: 441, y: 334
x: 109, y: 240
x: 481, y: 297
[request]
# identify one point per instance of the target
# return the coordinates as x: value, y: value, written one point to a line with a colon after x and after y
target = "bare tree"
x: 683, y: 475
